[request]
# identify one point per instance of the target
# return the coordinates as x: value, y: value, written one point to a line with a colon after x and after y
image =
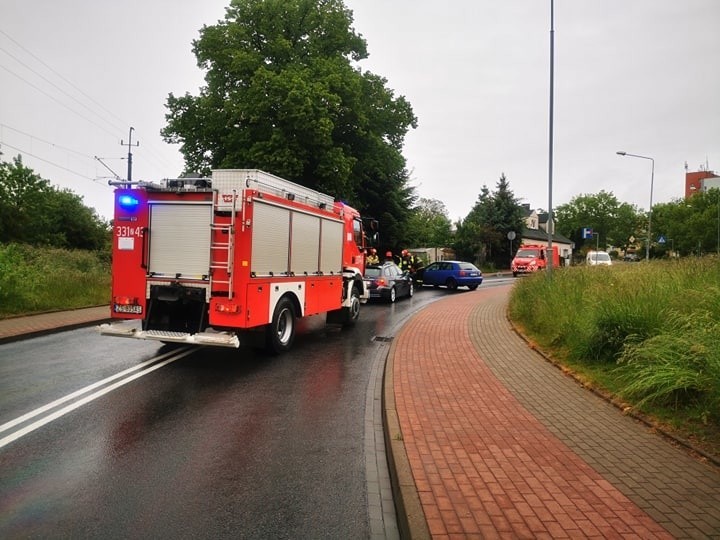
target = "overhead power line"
x: 24, y: 152
x: 152, y: 153
x: 57, y: 101
x: 63, y: 78
x: 5, y: 126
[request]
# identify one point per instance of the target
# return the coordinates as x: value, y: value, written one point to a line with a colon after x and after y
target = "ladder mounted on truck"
x: 223, y: 250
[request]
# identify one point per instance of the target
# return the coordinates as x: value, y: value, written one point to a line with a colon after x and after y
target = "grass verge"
x: 35, y: 280
x: 645, y: 335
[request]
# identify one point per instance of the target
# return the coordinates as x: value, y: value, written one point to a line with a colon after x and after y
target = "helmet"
x: 373, y: 251
x: 404, y: 252
x: 388, y: 254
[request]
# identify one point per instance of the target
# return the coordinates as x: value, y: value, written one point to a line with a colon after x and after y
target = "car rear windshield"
x: 468, y: 266
x: 372, y: 272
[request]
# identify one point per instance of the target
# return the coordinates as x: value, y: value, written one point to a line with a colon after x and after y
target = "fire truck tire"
x: 353, y: 312
x: 281, y: 332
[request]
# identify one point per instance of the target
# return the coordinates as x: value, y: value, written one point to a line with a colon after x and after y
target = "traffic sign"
x: 661, y: 239
x: 587, y: 233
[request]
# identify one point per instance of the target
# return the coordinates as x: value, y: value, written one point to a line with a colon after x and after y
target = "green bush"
x: 34, y: 279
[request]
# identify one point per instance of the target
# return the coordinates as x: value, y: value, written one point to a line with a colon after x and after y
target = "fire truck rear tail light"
x: 125, y: 300
x: 227, y: 308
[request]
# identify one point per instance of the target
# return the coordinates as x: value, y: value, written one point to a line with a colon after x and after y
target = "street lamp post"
x: 550, y: 222
x: 652, y: 179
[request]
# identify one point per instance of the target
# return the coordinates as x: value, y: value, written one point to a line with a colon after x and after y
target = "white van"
x: 598, y: 258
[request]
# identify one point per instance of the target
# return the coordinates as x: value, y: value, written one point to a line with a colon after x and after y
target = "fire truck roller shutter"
x: 270, y: 239
x: 304, y: 257
x: 180, y: 239
x: 331, y: 244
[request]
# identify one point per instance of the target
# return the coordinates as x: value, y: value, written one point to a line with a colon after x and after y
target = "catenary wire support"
x: 129, y: 145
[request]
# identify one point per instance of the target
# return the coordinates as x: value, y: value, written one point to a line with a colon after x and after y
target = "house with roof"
x: 535, y: 231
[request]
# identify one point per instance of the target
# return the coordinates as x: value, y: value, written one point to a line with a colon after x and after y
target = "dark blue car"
x: 450, y: 274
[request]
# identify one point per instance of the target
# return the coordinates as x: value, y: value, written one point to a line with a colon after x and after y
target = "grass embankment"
x: 34, y: 280
x: 647, y: 334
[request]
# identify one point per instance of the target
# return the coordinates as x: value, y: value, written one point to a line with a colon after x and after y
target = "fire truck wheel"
x: 353, y: 312
x: 281, y: 332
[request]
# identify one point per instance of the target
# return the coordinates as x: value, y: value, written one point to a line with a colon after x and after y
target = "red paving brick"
x: 483, y: 464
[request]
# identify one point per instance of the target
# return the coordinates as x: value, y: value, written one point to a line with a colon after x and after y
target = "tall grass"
x: 651, y: 329
x: 34, y: 279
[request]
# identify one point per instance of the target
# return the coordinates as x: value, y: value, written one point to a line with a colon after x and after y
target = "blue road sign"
x: 661, y: 239
x: 587, y: 233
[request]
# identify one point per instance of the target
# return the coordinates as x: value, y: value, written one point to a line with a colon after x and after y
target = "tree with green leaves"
x: 32, y: 211
x: 614, y: 222
x: 429, y: 225
x: 689, y: 226
x: 283, y: 94
x: 482, y: 236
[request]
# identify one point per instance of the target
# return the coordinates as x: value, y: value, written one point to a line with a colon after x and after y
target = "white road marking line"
x: 57, y: 414
x: 80, y: 392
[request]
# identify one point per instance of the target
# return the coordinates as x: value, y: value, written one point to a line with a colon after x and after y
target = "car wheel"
x: 393, y: 295
x: 472, y: 287
x: 451, y: 284
x: 411, y: 290
x: 281, y: 332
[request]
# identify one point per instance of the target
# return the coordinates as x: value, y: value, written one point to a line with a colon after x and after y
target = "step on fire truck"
x: 242, y: 254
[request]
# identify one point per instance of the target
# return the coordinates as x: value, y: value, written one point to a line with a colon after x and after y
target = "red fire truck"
x: 531, y: 258
x: 242, y: 254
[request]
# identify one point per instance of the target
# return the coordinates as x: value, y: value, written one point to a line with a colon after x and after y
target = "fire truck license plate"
x: 128, y: 309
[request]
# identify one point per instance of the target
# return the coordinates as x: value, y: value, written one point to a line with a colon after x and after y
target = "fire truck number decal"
x: 124, y: 230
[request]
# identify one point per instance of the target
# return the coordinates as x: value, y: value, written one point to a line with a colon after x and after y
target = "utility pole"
x: 129, y: 158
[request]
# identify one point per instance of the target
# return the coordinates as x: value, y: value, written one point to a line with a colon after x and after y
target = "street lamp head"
x: 621, y: 153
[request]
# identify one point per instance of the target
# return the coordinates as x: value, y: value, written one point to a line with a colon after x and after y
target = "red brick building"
x: 696, y: 182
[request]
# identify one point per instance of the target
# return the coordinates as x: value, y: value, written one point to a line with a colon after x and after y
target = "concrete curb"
x: 410, y: 515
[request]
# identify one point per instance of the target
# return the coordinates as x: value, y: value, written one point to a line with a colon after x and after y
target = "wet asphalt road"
x: 218, y: 443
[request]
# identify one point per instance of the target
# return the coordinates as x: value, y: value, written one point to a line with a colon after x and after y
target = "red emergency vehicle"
x: 241, y: 254
x: 531, y: 258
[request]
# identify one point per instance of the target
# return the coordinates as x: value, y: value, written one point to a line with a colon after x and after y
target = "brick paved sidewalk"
x: 501, y: 444
x: 20, y: 327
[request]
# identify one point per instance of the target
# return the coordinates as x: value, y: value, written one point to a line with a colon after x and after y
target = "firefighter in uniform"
x: 407, y: 261
x: 372, y: 257
x: 389, y: 257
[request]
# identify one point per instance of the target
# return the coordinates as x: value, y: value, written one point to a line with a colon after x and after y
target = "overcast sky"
x: 636, y: 75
